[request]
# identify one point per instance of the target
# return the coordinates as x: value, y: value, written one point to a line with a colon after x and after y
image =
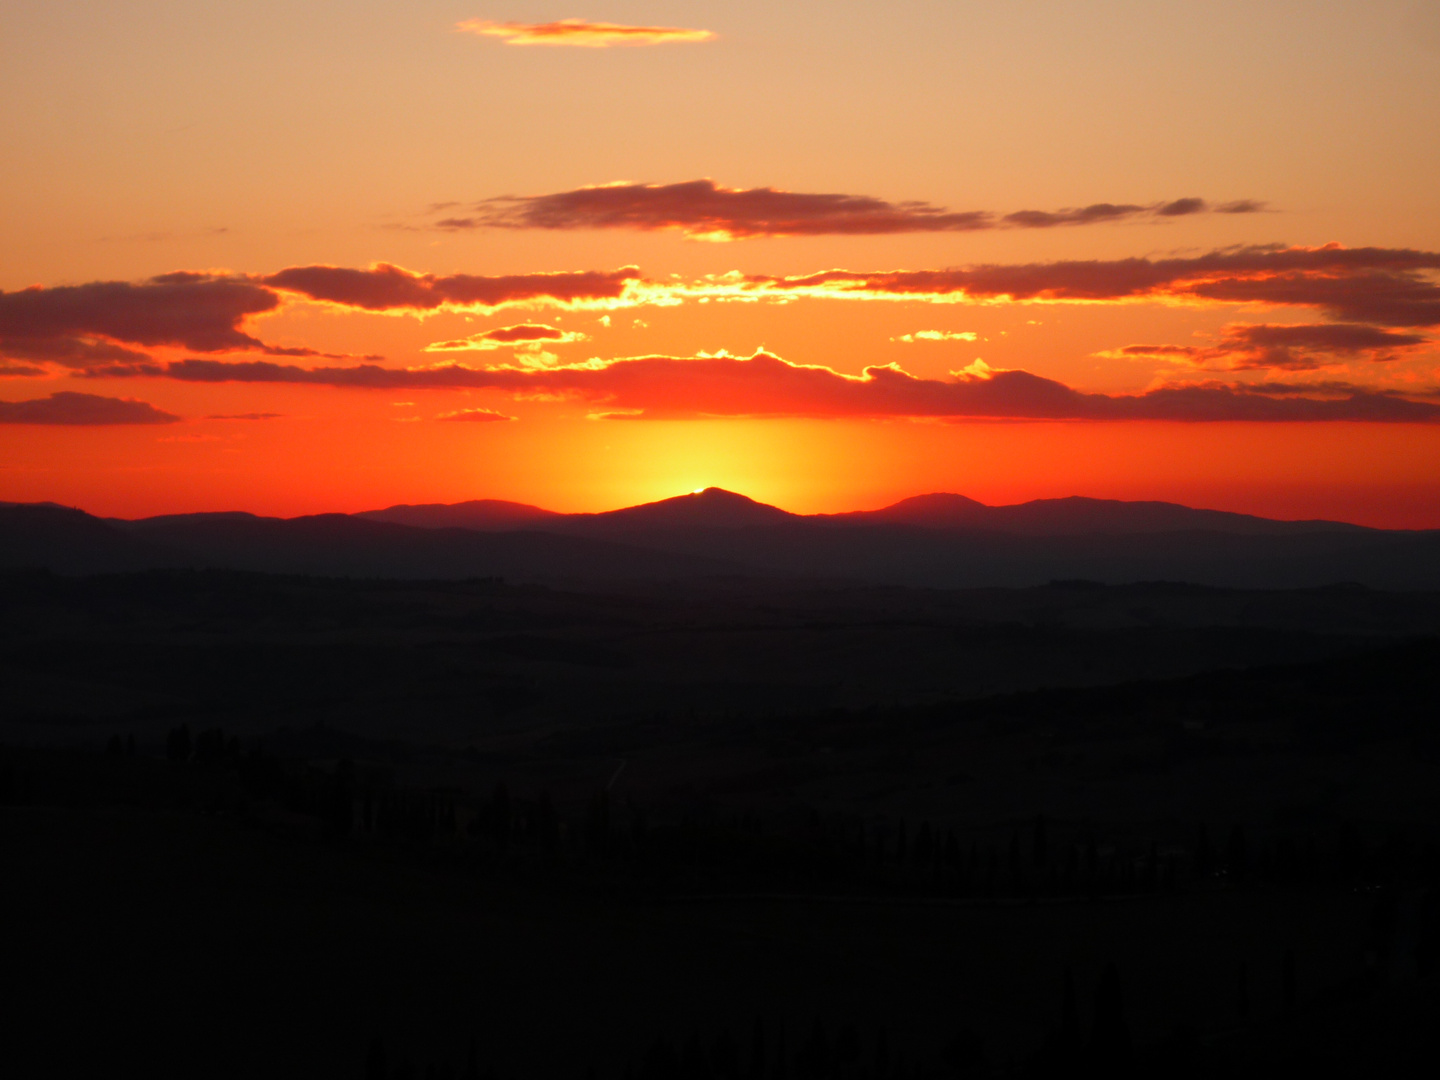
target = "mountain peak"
x: 484, y: 515
x: 711, y: 506
x: 939, y: 509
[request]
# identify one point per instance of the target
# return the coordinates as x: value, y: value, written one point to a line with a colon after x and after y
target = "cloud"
x: 937, y: 335
x: 20, y: 371
x: 246, y: 416
x: 581, y: 33
x: 764, y: 385
x: 701, y: 209
x: 80, y: 325
x: 483, y: 416
x: 1302, y: 347
x: 70, y: 408
x: 523, y: 336
x: 385, y: 287
x: 1387, y: 286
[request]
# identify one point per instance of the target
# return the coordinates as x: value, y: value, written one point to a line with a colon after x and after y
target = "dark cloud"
x: 78, y: 324
x: 94, y: 328
x: 1388, y: 286
x: 765, y: 385
x: 70, y: 352
x: 70, y: 408
x: 20, y: 371
x: 529, y: 336
x: 1301, y: 347
x: 507, y: 335
x: 384, y: 287
x: 246, y: 416
x: 703, y: 209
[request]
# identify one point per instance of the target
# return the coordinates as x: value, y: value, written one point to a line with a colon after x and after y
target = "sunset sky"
x: 302, y: 256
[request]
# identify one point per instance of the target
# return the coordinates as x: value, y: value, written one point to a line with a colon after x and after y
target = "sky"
x: 302, y: 256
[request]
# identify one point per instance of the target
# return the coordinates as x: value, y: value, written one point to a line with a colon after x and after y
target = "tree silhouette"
x: 693, y: 1065
x: 1237, y: 856
x: 375, y: 1063
x: 726, y: 1055
x: 757, y: 1048
x: 1110, y: 1054
x: 661, y: 1063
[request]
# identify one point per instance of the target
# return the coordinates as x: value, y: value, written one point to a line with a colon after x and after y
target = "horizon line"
x: 710, y: 490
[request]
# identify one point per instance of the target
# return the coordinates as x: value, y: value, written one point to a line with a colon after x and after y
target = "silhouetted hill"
x: 338, y: 544
x: 43, y: 535
x: 712, y: 508
x: 1078, y: 515
x: 919, y: 542
x: 73, y: 542
x: 938, y: 510
x: 484, y: 515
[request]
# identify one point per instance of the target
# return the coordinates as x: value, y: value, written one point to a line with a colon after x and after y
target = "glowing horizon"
x: 429, y: 269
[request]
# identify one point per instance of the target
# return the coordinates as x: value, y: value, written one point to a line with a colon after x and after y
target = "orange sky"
x: 1133, y: 250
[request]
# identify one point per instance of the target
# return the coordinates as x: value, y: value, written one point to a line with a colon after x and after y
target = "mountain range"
x: 936, y: 540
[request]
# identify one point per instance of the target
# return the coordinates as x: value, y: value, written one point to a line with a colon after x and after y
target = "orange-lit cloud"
x: 937, y: 335
x: 1304, y: 347
x: 765, y: 385
x: 523, y: 336
x: 94, y: 329
x: 1387, y: 286
x: 581, y: 33
x: 483, y: 416
x: 384, y: 287
x: 704, y: 210
x: 70, y: 408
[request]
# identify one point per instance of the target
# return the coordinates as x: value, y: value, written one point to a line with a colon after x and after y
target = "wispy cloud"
x: 702, y: 209
x: 480, y: 416
x: 581, y: 33
x: 937, y: 335
x: 1295, y: 347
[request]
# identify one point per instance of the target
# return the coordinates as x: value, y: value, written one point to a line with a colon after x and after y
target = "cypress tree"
x: 1237, y: 858
x: 1110, y: 1053
x: 375, y: 1063
x: 1069, y: 1018
x: 757, y: 1048
x: 726, y: 1055
x: 1287, y: 981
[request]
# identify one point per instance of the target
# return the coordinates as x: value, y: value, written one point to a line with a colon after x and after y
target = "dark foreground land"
x: 267, y: 826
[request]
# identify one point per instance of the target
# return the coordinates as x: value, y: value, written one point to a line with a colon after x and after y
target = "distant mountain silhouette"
x: 937, y: 540
x: 71, y: 541
x: 1076, y: 515
x: 939, y: 510
x: 712, y: 508
x: 482, y: 515
x: 44, y: 535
